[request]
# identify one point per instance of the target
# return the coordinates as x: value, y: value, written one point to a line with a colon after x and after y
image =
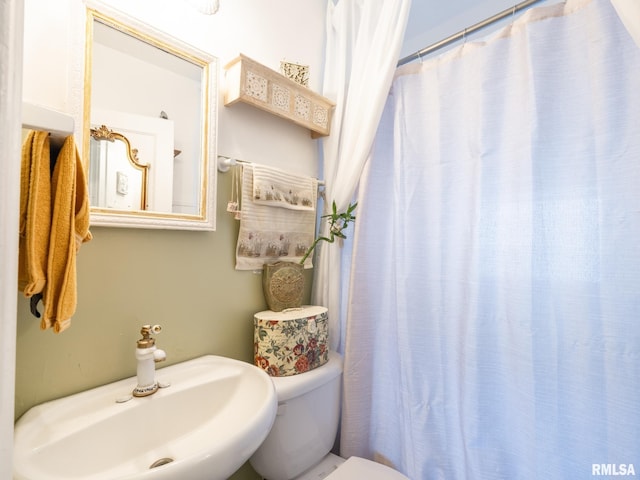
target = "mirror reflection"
x: 117, y: 179
x: 158, y: 95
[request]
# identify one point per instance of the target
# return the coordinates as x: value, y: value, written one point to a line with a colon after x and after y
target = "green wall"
x: 184, y: 281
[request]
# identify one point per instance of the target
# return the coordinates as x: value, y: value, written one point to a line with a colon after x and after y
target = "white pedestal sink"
x: 205, y: 425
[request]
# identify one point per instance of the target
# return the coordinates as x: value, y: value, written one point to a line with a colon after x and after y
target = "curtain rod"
x: 463, y: 33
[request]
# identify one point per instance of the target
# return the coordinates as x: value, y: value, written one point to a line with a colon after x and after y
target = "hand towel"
x: 35, y: 213
x: 277, y: 188
x: 267, y: 233
x: 69, y: 229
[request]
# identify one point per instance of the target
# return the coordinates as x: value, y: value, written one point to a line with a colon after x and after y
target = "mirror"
x: 155, y: 95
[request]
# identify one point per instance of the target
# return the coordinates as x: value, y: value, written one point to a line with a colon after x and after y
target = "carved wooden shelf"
x: 250, y: 82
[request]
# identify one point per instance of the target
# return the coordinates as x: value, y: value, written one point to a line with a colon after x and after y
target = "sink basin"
x: 205, y: 425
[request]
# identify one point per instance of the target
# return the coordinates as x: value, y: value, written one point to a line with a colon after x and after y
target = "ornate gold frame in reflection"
x: 204, y: 219
x: 105, y: 133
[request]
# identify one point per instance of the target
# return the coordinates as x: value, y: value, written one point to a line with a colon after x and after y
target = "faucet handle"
x: 147, y: 341
x: 147, y: 330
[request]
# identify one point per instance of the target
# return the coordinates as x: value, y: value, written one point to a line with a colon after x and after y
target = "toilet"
x: 303, y: 433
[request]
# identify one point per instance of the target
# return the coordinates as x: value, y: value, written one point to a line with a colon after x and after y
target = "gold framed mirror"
x: 160, y: 94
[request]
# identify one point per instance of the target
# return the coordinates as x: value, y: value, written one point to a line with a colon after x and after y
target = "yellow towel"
x: 35, y: 213
x: 69, y: 229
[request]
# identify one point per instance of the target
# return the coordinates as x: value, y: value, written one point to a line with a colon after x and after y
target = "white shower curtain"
x: 363, y: 44
x: 629, y: 13
x: 494, y: 315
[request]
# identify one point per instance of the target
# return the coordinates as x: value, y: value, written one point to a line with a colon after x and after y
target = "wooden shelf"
x: 250, y: 82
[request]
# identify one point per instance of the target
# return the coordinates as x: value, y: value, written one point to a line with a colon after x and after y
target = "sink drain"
x: 160, y: 462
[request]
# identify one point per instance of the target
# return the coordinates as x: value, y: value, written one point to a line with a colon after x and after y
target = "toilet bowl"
x: 299, y: 444
x: 356, y: 467
x: 333, y: 467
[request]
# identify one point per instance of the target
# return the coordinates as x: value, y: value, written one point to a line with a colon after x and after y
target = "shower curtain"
x: 494, y: 313
x: 363, y: 43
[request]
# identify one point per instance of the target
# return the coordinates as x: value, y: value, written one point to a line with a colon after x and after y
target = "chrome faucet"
x: 148, y: 355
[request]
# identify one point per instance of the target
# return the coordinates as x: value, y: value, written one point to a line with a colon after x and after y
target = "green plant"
x: 338, y: 222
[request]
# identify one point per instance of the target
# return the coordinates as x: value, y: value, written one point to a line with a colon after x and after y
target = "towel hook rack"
x: 225, y: 163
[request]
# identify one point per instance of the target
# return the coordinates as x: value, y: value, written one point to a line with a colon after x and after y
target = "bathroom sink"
x: 205, y: 425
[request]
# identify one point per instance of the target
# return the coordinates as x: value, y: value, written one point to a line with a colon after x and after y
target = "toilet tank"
x: 306, y: 424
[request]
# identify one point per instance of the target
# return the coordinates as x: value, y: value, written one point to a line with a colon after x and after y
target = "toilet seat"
x: 356, y: 467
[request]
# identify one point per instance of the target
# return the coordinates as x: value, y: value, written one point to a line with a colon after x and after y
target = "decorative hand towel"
x: 233, y: 205
x: 35, y: 213
x: 277, y: 188
x: 269, y: 234
x: 69, y: 229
